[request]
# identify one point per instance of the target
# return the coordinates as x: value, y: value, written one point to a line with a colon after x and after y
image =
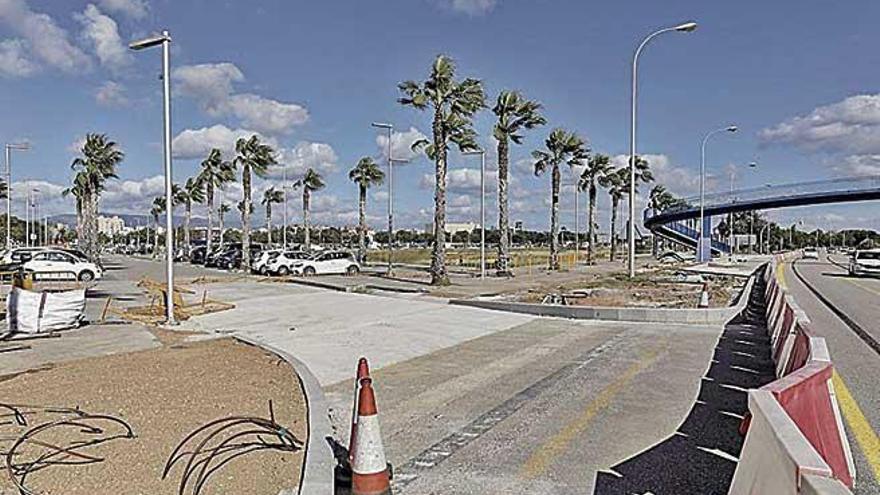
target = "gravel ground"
x: 164, y: 393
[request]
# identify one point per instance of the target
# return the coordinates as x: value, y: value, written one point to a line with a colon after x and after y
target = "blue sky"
x: 799, y: 79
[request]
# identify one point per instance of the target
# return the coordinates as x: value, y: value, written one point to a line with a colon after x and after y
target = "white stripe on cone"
x: 369, y: 457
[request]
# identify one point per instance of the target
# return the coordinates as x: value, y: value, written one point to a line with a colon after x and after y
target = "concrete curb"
x: 317, y: 473
x: 654, y: 315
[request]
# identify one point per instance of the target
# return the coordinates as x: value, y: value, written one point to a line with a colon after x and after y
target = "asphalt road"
x: 857, y: 364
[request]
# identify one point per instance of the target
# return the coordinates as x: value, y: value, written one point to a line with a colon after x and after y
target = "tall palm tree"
x: 613, y: 182
x: 659, y: 199
x: 99, y: 160
x: 77, y: 190
x: 643, y: 174
x: 597, y: 167
x: 454, y: 104
x: 271, y: 196
x: 562, y: 147
x: 215, y: 174
x: 156, y: 211
x: 193, y: 191
x: 515, y: 113
x: 365, y: 174
x: 252, y: 157
x: 312, y: 181
x: 222, y: 210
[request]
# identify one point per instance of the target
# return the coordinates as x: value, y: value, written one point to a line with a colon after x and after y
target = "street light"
x: 164, y: 39
x: 482, y: 154
x: 9, y: 148
x: 701, y: 238
x: 391, y: 161
x: 687, y: 27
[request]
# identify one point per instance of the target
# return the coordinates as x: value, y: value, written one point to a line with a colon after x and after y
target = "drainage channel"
x: 445, y: 448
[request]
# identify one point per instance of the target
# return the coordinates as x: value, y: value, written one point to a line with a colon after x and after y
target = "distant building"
x: 454, y: 228
x: 110, y: 226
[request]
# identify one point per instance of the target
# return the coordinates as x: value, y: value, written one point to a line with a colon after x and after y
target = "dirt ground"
x: 164, y: 394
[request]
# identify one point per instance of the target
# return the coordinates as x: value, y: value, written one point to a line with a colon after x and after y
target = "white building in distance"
x: 110, y: 226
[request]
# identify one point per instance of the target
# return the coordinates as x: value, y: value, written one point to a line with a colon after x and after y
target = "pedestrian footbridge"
x: 679, y: 224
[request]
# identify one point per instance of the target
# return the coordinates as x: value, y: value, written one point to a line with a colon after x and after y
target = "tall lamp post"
x: 482, y: 154
x: 391, y: 162
x: 687, y: 27
x: 284, y: 191
x: 164, y: 40
x: 701, y: 237
x: 9, y: 148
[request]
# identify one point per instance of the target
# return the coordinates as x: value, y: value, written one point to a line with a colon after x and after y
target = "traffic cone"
x: 369, y: 468
x: 363, y: 371
x: 704, y: 296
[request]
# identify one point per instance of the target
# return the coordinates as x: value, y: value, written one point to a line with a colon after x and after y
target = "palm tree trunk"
x: 614, y: 202
x: 592, y: 222
x: 554, y: 219
x: 187, y: 235
x: 156, y: 236
x: 306, y: 222
x: 438, y: 255
x: 269, y: 222
x: 503, y: 208
x: 209, y: 190
x: 221, y: 228
x: 362, y: 224
x: 246, y: 218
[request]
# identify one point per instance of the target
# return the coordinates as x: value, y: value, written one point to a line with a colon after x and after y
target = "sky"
x: 799, y: 79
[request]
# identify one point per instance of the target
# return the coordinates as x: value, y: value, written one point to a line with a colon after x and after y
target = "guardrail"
x: 794, y: 427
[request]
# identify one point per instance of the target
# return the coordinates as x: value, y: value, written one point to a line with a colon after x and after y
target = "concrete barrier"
x: 710, y: 316
x: 795, y: 440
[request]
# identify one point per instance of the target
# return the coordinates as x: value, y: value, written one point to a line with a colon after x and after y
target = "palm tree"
x: 643, y: 174
x: 253, y: 157
x: 192, y: 192
x: 454, y: 104
x: 597, y: 167
x: 312, y: 181
x: 365, y: 174
x: 99, y: 160
x: 77, y: 190
x: 561, y: 147
x: 659, y: 199
x: 215, y: 174
x: 157, y: 210
x: 222, y: 211
x: 613, y: 182
x: 514, y: 113
x: 271, y: 196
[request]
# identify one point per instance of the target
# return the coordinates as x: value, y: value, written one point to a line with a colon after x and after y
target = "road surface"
x: 856, y: 362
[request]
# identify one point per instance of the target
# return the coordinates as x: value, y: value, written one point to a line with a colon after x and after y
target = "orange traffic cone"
x: 369, y: 468
x: 363, y: 371
x: 704, y: 296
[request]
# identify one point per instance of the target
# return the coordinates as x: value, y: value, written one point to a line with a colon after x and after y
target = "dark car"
x: 197, y: 255
x: 212, y: 257
x: 231, y: 259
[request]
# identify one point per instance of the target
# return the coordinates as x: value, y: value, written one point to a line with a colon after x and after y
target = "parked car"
x: 62, y: 265
x: 212, y: 257
x: 19, y: 255
x: 231, y: 259
x: 865, y: 262
x: 261, y: 262
x: 327, y: 263
x: 197, y: 255
x: 811, y: 253
x: 282, y: 264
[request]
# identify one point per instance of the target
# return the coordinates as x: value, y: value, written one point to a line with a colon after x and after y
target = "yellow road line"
x: 859, y: 426
x: 541, y: 459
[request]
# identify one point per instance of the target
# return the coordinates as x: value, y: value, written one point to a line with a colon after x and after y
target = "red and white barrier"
x: 795, y: 427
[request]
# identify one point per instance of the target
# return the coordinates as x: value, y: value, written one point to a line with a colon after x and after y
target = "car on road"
x: 57, y: 264
x: 811, y: 253
x: 865, y: 262
x: 327, y: 263
x: 282, y: 264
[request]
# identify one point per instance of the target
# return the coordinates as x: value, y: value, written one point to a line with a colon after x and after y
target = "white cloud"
x: 212, y: 85
x: 473, y: 7
x: 401, y: 144
x: 851, y: 125
x: 46, y: 40
x: 135, y: 9
x: 111, y: 94
x: 103, y: 33
x: 196, y: 143
x: 858, y: 165
x: 463, y: 181
x: 14, y: 60
x: 305, y: 155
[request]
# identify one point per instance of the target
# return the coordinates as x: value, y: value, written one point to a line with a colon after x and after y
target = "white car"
x: 327, y: 263
x: 17, y: 255
x: 260, y: 266
x: 811, y: 253
x: 52, y: 264
x: 282, y: 264
x: 865, y: 262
